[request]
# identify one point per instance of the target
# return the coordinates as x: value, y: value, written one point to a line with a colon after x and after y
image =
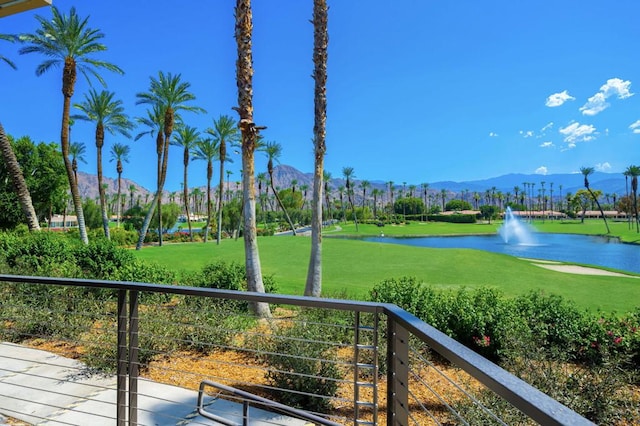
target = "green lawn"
x: 353, y: 266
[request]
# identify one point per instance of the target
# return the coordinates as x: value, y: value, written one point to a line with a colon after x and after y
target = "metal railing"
x: 103, y: 352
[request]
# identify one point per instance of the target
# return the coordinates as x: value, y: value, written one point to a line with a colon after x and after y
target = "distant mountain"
x: 284, y: 175
x: 88, y: 186
x: 608, y: 183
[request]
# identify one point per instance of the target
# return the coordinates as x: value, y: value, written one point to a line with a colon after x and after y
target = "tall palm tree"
x: 249, y: 130
x: 326, y: 178
x: 186, y: 137
x: 77, y: 151
x: 120, y: 153
x: 207, y: 150
x: 167, y: 94
x: 9, y: 158
x: 586, y: 171
x: 132, y: 191
x: 10, y: 38
x: 347, y: 173
x: 19, y: 184
x: 320, y: 47
x: 262, y: 180
x: 108, y: 114
x: 364, y: 184
x: 273, y: 150
x: 634, y: 172
x: 67, y: 40
x: 225, y: 129
x: 390, y: 184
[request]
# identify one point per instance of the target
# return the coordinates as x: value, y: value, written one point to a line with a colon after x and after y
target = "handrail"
x: 531, y: 401
x: 250, y: 397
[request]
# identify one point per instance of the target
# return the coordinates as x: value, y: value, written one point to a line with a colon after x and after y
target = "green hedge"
x: 452, y: 218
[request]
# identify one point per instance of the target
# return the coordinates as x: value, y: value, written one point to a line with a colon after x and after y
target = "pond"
x: 592, y: 250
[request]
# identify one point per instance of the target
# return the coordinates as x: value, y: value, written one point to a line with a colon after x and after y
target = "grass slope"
x: 353, y: 267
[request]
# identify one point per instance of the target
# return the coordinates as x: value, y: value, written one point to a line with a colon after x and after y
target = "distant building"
x: 70, y: 221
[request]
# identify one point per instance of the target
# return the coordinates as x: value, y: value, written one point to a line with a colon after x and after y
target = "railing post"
x: 134, y: 366
x: 122, y: 359
x: 397, y: 374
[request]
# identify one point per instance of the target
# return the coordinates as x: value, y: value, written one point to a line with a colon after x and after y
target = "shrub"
x: 43, y: 253
x: 452, y: 218
x: 303, y: 364
x: 102, y: 259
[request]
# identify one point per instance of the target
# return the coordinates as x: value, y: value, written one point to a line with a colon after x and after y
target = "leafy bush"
x: 452, y: 218
x: 43, y: 253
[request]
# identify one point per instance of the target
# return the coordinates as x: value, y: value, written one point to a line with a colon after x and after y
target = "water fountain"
x: 513, y: 231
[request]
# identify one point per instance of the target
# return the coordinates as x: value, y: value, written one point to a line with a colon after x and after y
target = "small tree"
x: 488, y: 212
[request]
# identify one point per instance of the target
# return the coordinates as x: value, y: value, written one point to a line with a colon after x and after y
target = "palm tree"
x: 347, y: 172
x: 634, y: 172
x: 304, y: 188
x: 586, y: 171
x: 326, y: 178
x: 132, y: 191
x: 10, y: 38
x: 187, y: 137
x: 273, y: 150
x: 425, y: 191
x: 120, y: 153
x: 364, y: 185
x: 168, y: 95
x: 67, y: 40
x: 76, y: 151
x: 313, y: 285
x: 207, y: 150
x: 262, y: 180
x: 13, y: 167
x: 197, y: 196
x: 341, y: 195
x: 390, y: 184
x: 375, y: 192
x: 225, y: 129
x: 17, y: 178
x: 249, y: 130
x: 108, y: 114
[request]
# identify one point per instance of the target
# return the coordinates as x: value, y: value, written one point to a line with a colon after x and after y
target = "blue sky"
x: 418, y: 91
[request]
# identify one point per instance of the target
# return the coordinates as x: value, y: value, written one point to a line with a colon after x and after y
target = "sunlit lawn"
x: 353, y: 267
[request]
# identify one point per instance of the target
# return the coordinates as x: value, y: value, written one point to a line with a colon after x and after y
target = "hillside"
x: 283, y: 176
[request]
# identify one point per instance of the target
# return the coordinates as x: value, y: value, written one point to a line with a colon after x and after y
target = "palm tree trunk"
x: 244, y: 81
x: 321, y: 40
x: 223, y: 155
x: 209, y: 176
x: 634, y: 188
x: 24, y: 197
x: 600, y: 208
x: 185, y: 191
x: 353, y: 209
x: 286, y: 214
x: 68, y: 82
x: 147, y: 220
x: 119, y: 207
x: 103, y: 198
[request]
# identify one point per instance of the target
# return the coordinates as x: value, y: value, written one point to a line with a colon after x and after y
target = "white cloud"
x: 527, y: 133
x: 558, y: 99
x: 635, y: 127
x: 547, y: 127
x: 598, y: 102
x: 576, y: 132
x: 603, y: 167
x: 542, y: 170
x: 493, y: 134
x: 546, y: 144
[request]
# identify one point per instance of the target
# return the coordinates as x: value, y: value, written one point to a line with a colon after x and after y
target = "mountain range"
x: 284, y: 175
